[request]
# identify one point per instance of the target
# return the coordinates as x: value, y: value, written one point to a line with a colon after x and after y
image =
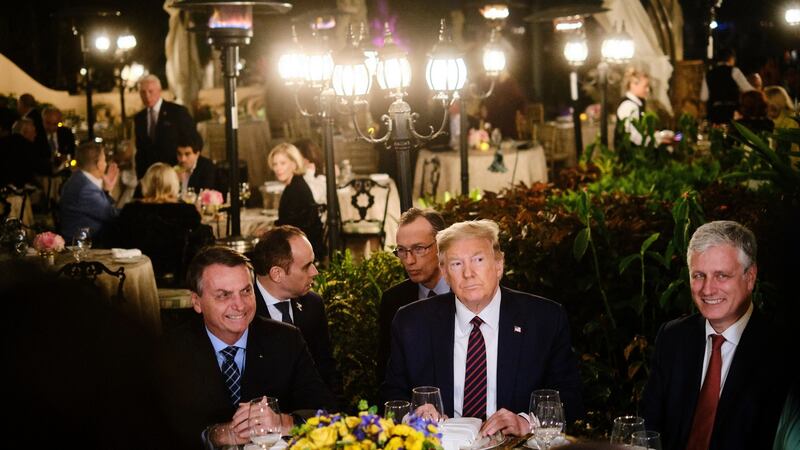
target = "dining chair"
x: 363, y: 199
x: 431, y: 172
x: 554, y: 153
x: 88, y: 271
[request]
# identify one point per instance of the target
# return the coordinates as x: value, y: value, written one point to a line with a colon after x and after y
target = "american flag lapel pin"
x: 517, y: 329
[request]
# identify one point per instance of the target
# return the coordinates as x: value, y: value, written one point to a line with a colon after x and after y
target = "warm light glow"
x: 324, y: 23
x: 319, y: 68
x: 371, y: 60
x: 497, y: 11
x: 293, y: 68
x: 83, y: 71
x: 618, y: 48
x: 494, y: 60
x: 232, y: 16
x: 576, y: 51
x: 126, y: 42
x: 446, y: 75
x: 351, y: 80
x: 102, y: 43
x: 713, y: 25
x: 792, y: 15
x: 570, y: 23
x: 394, y: 73
x: 131, y: 73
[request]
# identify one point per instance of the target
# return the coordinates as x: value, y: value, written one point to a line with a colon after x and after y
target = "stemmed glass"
x: 396, y: 410
x: 81, y: 242
x: 190, y: 196
x: 646, y: 440
x: 427, y: 397
x: 550, y: 418
x: 624, y: 427
x: 265, y: 421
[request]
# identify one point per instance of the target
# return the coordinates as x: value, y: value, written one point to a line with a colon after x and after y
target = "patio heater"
x: 576, y: 52
x: 617, y: 48
x: 230, y: 26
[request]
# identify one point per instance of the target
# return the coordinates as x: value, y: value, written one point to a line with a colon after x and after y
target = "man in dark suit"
x: 284, y: 264
x: 211, y: 369
x: 59, y: 138
x: 717, y: 379
x: 196, y: 171
x: 416, y: 249
x: 486, y: 347
x: 157, y: 126
x: 85, y: 199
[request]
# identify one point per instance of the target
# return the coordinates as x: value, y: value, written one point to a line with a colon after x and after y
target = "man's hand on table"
x: 506, y: 422
x: 235, y: 432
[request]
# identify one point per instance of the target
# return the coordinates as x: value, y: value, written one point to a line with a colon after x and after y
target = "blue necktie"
x: 231, y: 373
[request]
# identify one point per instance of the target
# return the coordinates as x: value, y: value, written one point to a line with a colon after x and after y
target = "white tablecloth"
x: 527, y: 166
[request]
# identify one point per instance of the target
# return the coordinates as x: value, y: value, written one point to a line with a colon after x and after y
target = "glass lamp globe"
x: 351, y: 76
x: 576, y: 51
x: 393, y: 71
x: 618, y: 48
x: 792, y: 15
x: 446, y: 71
x: 126, y: 42
x: 494, y: 58
x: 319, y: 68
x: 102, y: 43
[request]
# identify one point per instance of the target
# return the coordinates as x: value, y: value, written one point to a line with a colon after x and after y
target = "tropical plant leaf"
x: 581, y: 244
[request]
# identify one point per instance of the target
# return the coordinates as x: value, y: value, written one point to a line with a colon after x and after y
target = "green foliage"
x: 352, y: 291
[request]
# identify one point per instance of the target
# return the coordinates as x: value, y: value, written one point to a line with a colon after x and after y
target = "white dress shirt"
x: 271, y: 301
x: 441, y: 288
x: 732, y: 336
x: 489, y: 328
x: 627, y: 111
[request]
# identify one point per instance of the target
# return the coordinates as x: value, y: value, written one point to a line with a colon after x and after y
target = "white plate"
x: 277, y: 446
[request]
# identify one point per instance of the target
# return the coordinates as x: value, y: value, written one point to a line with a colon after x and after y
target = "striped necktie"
x: 230, y: 371
x: 475, y: 373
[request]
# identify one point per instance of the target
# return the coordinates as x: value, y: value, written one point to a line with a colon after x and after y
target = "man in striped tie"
x: 212, y: 367
x: 486, y: 347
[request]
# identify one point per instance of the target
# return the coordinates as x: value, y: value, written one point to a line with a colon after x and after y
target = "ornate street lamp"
x: 617, y: 48
x: 576, y: 51
x: 230, y: 26
x: 792, y: 15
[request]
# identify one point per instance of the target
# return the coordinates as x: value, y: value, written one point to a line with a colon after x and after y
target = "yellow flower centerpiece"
x: 367, y: 431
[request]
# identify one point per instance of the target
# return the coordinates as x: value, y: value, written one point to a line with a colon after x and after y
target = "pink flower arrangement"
x: 48, y: 242
x: 477, y: 137
x: 211, y: 197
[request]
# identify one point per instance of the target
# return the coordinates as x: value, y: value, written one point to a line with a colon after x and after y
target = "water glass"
x: 541, y: 395
x: 396, y: 410
x: 81, y: 242
x: 190, y: 196
x: 264, y: 421
x: 428, y: 396
x: 550, y: 422
x: 646, y: 440
x: 624, y: 427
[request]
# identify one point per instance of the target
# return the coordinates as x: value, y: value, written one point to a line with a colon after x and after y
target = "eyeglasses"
x: 417, y: 250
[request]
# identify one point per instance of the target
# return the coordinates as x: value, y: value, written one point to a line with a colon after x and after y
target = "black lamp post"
x: 230, y: 26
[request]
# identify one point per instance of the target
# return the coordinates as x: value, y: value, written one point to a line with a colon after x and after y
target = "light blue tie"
x: 231, y: 373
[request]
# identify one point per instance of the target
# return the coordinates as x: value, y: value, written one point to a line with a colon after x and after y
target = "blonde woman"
x: 632, y: 106
x: 780, y: 108
x: 168, y: 231
x: 297, y: 206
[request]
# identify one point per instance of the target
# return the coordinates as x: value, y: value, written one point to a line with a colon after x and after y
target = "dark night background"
x: 37, y: 35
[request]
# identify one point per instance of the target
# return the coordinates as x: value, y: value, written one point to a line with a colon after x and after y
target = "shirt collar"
x: 490, y: 314
x: 157, y: 106
x: 219, y: 345
x: 95, y: 181
x: 268, y: 298
x: 633, y: 98
x: 734, y: 332
x: 441, y: 288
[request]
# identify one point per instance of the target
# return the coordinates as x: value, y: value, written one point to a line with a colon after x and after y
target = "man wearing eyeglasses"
x: 416, y: 248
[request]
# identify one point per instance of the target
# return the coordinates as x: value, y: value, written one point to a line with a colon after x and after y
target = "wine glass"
x: 646, y: 440
x: 81, y: 242
x: 190, y: 196
x: 541, y: 395
x: 624, y: 427
x: 244, y: 192
x: 427, y: 397
x: 396, y: 410
x: 550, y: 422
x: 264, y: 421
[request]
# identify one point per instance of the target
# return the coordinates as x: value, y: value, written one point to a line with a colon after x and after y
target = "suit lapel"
x: 744, y: 361
x: 255, y: 364
x: 695, y: 351
x: 509, y: 346
x: 261, y: 304
x: 298, y: 317
x: 206, y: 361
x: 443, y: 336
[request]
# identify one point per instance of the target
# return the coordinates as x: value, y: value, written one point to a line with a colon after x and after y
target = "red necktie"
x: 706, y: 411
x: 475, y: 374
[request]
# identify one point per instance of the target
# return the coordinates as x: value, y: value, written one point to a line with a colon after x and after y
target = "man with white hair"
x: 484, y: 346
x: 158, y: 126
x: 717, y: 379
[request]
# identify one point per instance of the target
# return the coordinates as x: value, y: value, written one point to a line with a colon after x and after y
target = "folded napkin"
x: 125, y: 253
x: 379, y: 177
x: 460, y: 432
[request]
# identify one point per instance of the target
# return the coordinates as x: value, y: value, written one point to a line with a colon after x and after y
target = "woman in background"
x: 314, y: 169
x: 780, y: 108
x: 297, y: 206
x: 168, y: 231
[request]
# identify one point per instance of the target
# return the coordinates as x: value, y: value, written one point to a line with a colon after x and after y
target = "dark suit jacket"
x: 83, y: 204
x: 172, y: 120
x: 533, y: 351
x: 297, y: 207
x: 309, y: 316
x: 751, y: 399
x: 394, y: 298
x: 204, y: 175
x: 66, y: 141
x: 193, y: 393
